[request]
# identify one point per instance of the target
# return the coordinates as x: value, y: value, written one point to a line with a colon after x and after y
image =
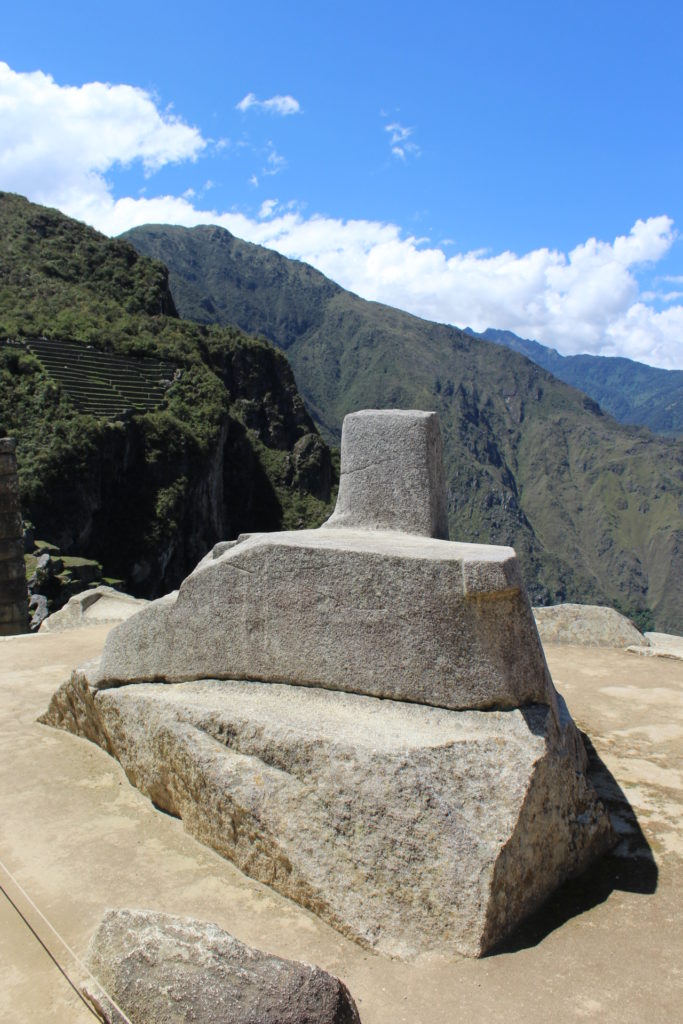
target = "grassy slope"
x: 236, y: 395
x: 593, y: 507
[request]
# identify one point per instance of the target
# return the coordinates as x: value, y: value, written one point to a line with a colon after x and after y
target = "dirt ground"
x: 78, y: 838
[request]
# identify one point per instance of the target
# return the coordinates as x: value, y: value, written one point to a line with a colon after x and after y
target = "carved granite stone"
x: 427, y: 824
x: 392, y: 475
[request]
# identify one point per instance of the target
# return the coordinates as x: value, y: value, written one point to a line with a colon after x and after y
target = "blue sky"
x: 515, y: 166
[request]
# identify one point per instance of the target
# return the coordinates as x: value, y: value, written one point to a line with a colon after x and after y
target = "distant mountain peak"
x: 632, y: 392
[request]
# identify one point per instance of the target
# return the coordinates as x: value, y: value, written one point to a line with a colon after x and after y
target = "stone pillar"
x: 392, y: 474
x: 13, y: 590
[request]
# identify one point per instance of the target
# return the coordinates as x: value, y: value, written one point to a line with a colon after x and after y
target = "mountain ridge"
x: 632, y: 392
x: 591, y: 506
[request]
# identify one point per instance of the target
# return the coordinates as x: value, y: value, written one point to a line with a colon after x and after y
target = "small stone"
x: 38, y: 609
x: 170, y: 970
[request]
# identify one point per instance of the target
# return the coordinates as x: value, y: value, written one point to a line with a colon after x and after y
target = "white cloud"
x: 57, y: 145
x: 283, y: 105
x: 267, y: 208
x: 274, y: 162
x: 400, y: 142
x: 58, y: 142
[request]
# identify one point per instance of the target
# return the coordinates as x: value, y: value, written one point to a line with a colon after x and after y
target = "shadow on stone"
x: 629, y: 867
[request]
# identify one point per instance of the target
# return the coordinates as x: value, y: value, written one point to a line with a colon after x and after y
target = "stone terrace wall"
x: 13, y: 591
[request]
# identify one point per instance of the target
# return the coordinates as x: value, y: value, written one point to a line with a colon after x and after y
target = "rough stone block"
x: 171, y: 970
x: 414, y: 830
x: 92, y: 607
x: 13, y: 548
x: 10, y: 525
x: 392, y: 475
x: 12, y: 569
x: 588, y: 625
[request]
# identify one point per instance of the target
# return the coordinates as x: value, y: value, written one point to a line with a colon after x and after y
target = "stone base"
x: 415, y: 830
x: 377, y: 613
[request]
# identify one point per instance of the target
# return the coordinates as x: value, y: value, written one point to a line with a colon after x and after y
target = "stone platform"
x: 414, y: 830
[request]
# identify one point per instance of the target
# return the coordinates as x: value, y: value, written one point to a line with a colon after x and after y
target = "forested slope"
x: 226, y: 446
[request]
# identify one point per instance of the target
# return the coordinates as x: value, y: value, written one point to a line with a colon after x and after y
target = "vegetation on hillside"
x: 632, y: 392
x: 231, y: 448
x: 593, y: 508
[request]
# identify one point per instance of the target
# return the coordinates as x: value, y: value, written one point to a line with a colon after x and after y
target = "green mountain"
x: 632, y: 392
x: 593, y: 508
x: 142, y: 439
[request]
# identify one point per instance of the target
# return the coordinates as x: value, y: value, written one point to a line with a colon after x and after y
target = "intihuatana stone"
x: 431, y: 823
x: 161, y: 969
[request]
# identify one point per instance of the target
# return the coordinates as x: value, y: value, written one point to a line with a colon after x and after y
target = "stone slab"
x: 659, y: 645
x: 414, y: 830
x: 162, y: 969
x: 384, y: 614
x: 585, y: 624
x: 92, y: 607
x: 392, y: 475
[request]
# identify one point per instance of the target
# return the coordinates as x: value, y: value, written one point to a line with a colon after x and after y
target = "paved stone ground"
x: 79, y: 838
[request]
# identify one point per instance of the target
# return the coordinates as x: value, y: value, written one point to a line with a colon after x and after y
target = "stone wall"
x: 13, y: 591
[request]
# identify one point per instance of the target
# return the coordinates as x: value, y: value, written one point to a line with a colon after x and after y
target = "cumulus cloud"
x: 587, y: 300
x: 57, y: 145
x: 282, y: 105
x: 58, y: 142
